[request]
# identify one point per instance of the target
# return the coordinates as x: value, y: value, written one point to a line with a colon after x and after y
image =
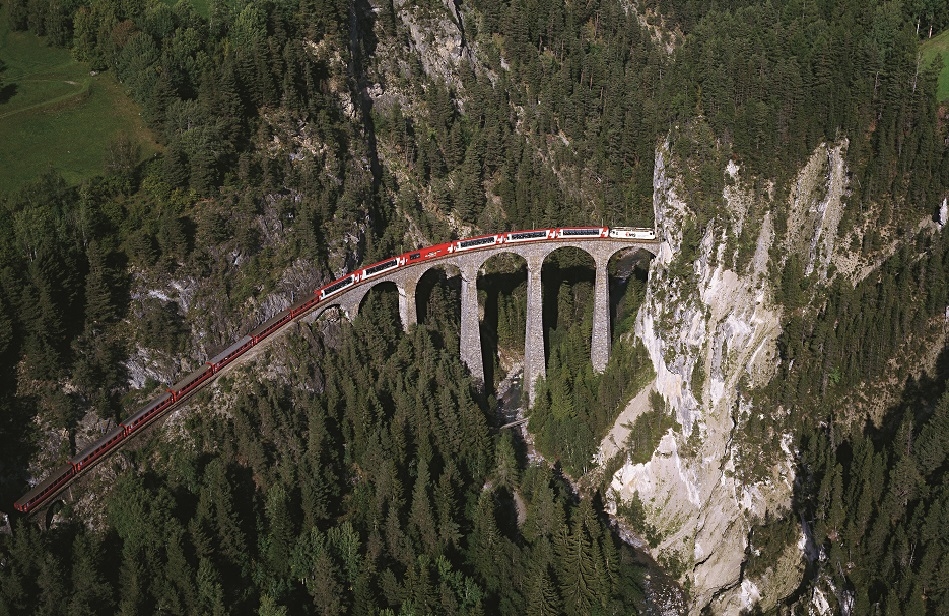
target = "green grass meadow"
x: 54, y: 113
x: 929, y: 49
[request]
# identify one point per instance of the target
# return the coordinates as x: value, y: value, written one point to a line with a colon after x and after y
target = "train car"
x: 145, y: 413
x: 632, y: 233
x: 590, y: 232
x: 304, y: 305
x: 429, y: 252
x: 46, y: 487
x: 269, y: 326
x: 335, y: 287
x: 471, y: 243
x: 230, y: 353
x: 380, y: 268
x: 97, y: 449
x: 534, y: 235
x: 183, y: 387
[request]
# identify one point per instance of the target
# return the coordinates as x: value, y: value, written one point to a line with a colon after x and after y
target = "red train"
x: 59, y: 477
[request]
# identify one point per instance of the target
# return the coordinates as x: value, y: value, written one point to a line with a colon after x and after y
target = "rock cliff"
x: 710, y: 325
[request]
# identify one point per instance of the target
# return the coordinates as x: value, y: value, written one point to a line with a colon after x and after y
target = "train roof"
x: 111, y: 434
x: 53, y: 477
x: 220, y: 356
x: 191, y: 377
x: 266, y: 324
x: 148, y: 408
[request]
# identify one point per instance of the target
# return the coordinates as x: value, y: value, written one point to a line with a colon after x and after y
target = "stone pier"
x: 469, y: 263
x: 600, y: 344
x: 535, y: 356
x: 471, y: 322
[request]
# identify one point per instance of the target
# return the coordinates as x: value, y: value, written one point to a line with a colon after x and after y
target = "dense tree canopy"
x: 375, y: 483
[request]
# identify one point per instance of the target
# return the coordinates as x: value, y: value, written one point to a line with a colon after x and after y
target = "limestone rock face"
x: 710, y: 326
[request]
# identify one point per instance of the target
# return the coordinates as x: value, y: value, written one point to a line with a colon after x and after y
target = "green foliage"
x: 634, y: 513
x: 574, y: 406
x: 878, y: 499
x: 367, y: 495
x: 649, y: 428
x: 54, y: 114
x: 935, y: 52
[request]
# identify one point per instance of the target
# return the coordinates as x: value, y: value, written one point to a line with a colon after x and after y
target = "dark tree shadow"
x: 7, y: 92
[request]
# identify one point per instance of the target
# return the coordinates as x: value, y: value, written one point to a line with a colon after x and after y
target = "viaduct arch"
x: 469, y: 263
x: 467, y: 255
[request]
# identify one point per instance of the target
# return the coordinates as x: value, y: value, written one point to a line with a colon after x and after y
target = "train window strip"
x: 338, y: 285
x: 137, y: 418
x: 528, y: 235
x: 382, y: 266
x: 581, y: 231
x: 477, y: 242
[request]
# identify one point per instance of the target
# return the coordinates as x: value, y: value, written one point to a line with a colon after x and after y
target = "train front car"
x: 534, y: 235
x: 567, y: 233
x: 471, y: 243
x: 97, y: 449
x: 44, y: 489
x: 632, y: 233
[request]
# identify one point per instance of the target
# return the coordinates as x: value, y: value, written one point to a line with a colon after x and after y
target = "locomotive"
x: 178, y: 391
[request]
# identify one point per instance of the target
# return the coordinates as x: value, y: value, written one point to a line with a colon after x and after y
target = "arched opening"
x: 438, y: 302
x: 588, y: 381
x: 629, y: 273
x: 568, y: 277
x: 381, y: 304
x: 502, y: 295
x: 49, y: 513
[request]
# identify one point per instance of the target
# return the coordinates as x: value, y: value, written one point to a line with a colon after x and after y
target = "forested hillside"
x: 357, y: 470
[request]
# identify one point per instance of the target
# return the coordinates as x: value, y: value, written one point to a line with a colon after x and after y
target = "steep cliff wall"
x: 711, y: 326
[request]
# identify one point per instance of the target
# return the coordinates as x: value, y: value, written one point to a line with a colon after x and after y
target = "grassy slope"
x: 54, y: 113
x: 929, y: 49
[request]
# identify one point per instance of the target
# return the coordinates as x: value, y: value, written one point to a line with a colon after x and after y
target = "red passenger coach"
x: 582, y: 232
x: 337, y: 285
x: 145, y: 413
x: 97, y: 449
x: 380, y: 268
x: 186, y: 385
x: 227, y: 355
x: 50, y: 485
x: 269, y: 326
x: 534, y: 235
x: 483, y: 241
x: 303, y: 306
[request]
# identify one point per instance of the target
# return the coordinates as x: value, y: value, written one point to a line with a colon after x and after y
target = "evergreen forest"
x: 354, y: 468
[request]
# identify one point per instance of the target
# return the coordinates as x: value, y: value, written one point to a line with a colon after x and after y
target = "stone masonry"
x: 406, y: 280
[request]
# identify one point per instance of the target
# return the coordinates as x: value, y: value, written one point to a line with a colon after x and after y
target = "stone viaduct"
x: 406, y: 279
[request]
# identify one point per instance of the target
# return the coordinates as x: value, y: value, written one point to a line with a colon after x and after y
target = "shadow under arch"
x: 568, y: 277
x: 502, y: 293
x: 438, y: 303
x: 383, y: 298
x: 50, y: 511
x: 628, y: 271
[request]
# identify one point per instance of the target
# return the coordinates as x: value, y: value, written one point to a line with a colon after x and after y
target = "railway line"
x: 47, y: 490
